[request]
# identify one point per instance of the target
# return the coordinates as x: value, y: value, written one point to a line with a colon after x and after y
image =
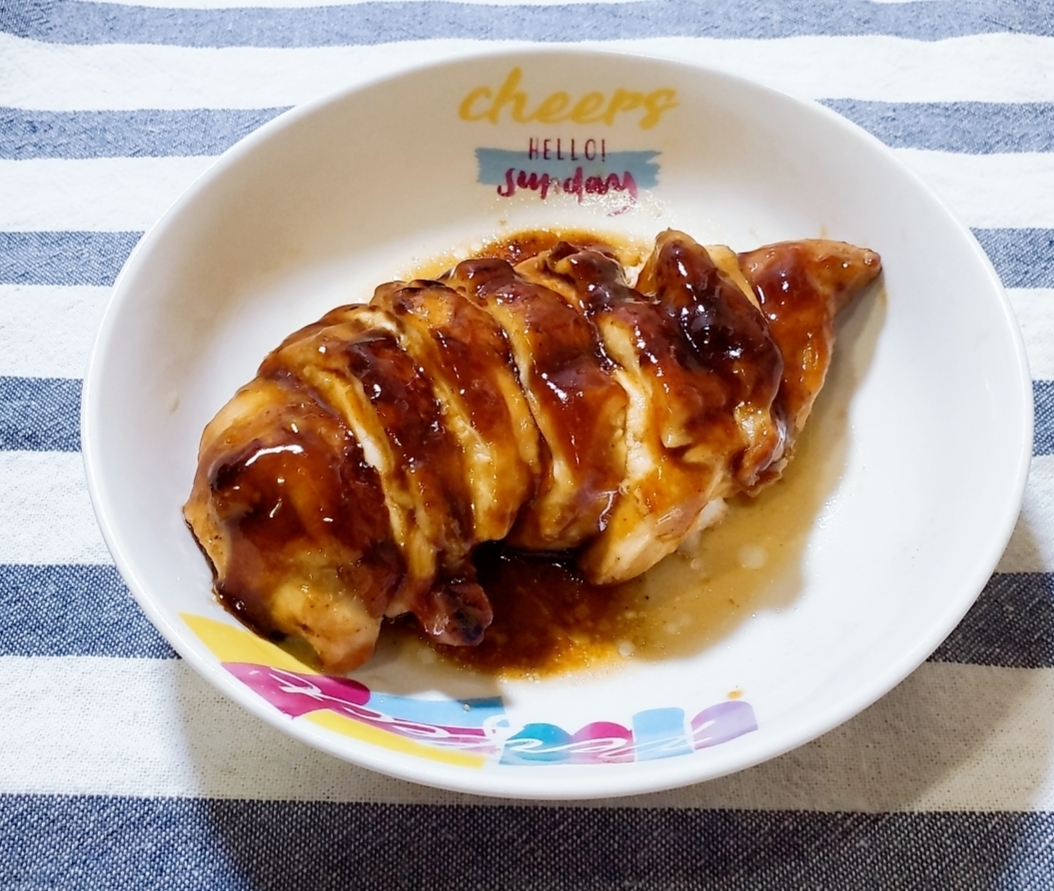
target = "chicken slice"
x: 353, y: 357
x: 730, y: 335
x: 695, y: 417
x: 801, y: 286
x: 463, y: 353
x: 291, y: 518
x: 578, y: 407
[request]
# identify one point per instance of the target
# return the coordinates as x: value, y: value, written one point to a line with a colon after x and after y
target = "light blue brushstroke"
x: 660, y: 733
x: 440, y: 712
x: 539, y: 743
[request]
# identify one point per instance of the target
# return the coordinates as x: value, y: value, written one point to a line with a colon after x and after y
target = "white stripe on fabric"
x: 984, y: 68
x: 951, y: 737
x: 1034, y: 308
x: 47, y: 514
x: 108, y: 194
x: 129, y: 194
x: 887, y: 69
x: 990, y: 191
x: 61, y: 77
x: 47, y: 331
x: 1031, y: 547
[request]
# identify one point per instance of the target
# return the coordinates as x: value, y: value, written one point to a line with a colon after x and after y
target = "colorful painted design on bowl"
x: 468, y: 732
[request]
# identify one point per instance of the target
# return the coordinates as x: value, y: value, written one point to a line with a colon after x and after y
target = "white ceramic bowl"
x: 923, y: 435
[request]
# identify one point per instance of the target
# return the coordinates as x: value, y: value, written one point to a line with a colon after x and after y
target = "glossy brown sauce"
x: 519, y: 246
x: 464, y: 339
x: 301, y: 493
x: 300, y: 484
x: 547, y: 621
x: 578, y: 406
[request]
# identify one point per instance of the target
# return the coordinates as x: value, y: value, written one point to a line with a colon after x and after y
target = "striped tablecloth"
x: 120, y: 768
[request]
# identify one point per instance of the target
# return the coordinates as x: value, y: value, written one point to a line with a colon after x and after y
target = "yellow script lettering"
x: 585, y: 110
x: 485, y: 103
x: 465, y: 111
x: 551, y: 111
x: 623, y: 100
x: 508, y: 93
x: 657, y: 103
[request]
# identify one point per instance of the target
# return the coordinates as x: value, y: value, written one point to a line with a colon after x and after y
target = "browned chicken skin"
x: 549, y: 405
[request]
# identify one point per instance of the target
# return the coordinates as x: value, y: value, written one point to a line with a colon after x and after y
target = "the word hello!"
x: 486, y: 104
x: 544, y: 149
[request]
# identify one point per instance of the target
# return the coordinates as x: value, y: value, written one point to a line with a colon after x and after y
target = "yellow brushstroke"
x: 392, y: 741
x: 232, y: 644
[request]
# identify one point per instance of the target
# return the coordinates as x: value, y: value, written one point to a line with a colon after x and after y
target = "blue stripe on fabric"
x: 107, y: 842
x: 73, y: 611
x: 64, y: 258
x: 1024, y: 258
x: 1011, y: 624
x: 967, y: 127
x: 1043, y: 400
x: 43, y: 415
x: 148, y: 133
x: 978, y: 128
x: 83, y: 22
x: 87, y: 611
x: 40, y: 414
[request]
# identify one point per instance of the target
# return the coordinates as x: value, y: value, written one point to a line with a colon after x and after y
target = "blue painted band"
x: 495, y: 164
